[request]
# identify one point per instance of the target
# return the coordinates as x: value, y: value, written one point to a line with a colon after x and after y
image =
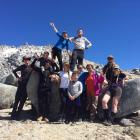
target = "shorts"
x: 115, y: 91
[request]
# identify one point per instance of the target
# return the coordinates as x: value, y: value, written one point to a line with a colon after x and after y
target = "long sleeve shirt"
x: 25, y: 72
x: 62, y: 42
x: 75, y: 88
x: 81, y: 43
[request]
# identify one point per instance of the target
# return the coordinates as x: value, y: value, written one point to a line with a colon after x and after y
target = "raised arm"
x: 53, y: 27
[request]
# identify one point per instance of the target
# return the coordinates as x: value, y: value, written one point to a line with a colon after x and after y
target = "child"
x: 75, y: 89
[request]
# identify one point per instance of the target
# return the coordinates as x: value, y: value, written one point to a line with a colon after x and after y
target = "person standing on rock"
x: 80, y: 44
x: 21, y: 93
x: 114, y: 92
x: 62, y: 43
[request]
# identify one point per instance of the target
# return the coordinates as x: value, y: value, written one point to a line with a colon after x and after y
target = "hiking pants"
x: 91, y: 106
x: 73, y: 109
x: 20, y: 98
x: 76, y: 55
x: 56, y: 52
x: 64, y: 98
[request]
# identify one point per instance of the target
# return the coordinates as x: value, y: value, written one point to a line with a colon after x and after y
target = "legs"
x: 105, y: 101
x: 116, y: 94
x: 20, y: 99
x: 73, y: 60
x: 58, y: 53
x: 64, y: 98
x: 80, y: 57
x: 91, y: 107
x: 72, y: 111
x: 76, y: 55
x: 116, y: 99
x: 83, y: 106
x: 17, y: 99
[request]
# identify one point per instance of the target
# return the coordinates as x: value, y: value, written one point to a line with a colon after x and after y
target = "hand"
x: 72, y: 98
x: 36, y: 56
x: 52, y: 24
x: 19, y: 79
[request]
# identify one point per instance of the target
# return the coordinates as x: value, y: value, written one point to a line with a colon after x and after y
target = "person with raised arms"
x: 62, y: 43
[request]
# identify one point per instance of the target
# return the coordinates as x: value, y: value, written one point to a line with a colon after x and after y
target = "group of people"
x: 79, y: 88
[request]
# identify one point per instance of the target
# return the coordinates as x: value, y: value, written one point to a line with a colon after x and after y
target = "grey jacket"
x: 75, y: 88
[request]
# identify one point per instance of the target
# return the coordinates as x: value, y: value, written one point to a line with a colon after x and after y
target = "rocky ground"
x: 26, y: 129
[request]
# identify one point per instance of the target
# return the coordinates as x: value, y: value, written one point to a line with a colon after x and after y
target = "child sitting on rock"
x: 73, y: 103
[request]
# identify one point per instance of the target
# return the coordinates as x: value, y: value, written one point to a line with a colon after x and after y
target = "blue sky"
x: 113, y: 26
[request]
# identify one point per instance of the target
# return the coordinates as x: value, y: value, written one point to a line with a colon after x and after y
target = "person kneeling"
x: 73, y: 103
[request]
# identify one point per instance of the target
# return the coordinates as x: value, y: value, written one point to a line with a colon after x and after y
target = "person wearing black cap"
x: 108, y: 68
x: 62, y: 43
x: 113, y: 92
x: 21, y: 94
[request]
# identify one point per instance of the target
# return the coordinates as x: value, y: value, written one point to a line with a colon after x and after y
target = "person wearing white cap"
x: 80, y: 44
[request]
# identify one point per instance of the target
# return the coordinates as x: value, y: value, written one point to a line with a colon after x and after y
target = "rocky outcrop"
x: 136, y: 71
x: 7, y: 95
x: 11, y: 80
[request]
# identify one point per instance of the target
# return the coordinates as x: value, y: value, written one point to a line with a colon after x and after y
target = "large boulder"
x: 9, y: 80
x: 32, y: 89
x: 130, y: 100
x: 7, y: 95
